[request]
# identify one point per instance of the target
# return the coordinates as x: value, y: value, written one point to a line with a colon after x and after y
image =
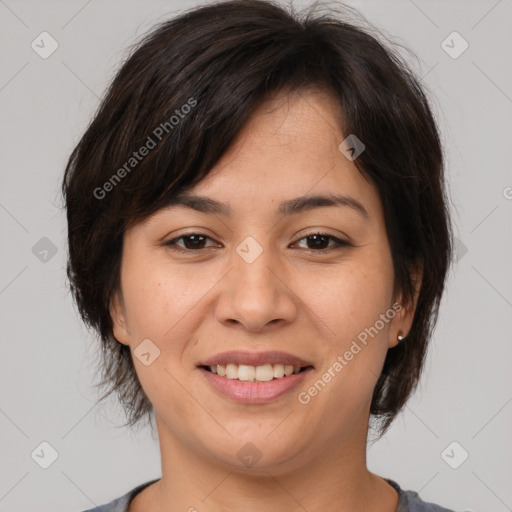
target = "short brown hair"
x: 222, y: 61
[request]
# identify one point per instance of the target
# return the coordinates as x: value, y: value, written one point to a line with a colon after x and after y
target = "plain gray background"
x: 47, y: 363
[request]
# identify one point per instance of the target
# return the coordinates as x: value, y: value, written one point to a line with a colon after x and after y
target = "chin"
x: 257, y: 453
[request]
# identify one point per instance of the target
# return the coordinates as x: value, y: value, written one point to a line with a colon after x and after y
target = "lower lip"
x: 254, y: 392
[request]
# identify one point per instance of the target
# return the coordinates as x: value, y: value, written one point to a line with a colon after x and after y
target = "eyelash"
x: 339, y: 244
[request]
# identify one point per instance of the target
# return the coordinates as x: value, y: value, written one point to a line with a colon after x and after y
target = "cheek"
x: 354, y: 313
x: 160, y: 303
x: 159, y: 299
x: 348, y: 298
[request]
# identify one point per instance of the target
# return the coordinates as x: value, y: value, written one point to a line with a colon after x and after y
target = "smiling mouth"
x: 260, y: 373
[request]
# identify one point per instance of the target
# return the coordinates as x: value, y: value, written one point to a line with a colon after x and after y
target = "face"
x: 307, y: 285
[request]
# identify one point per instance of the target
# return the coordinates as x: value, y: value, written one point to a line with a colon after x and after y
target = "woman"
x: 258, y: 231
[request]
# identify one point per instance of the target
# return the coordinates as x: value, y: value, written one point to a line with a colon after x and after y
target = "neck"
x: 191, y: 482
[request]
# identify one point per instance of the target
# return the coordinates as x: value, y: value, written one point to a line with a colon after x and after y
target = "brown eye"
x: 191, y: 242
x: 319, y: 242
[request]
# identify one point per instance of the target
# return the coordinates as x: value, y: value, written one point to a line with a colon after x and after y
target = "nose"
x: 255, y: 294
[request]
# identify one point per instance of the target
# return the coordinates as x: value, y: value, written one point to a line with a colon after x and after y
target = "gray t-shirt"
x: 409, y: 501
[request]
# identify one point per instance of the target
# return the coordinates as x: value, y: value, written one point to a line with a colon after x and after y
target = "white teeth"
x: 265, y: 372
x: 278, y: 370
x: 232, y: 371
x: 262, y: 373
x: 246, y: 372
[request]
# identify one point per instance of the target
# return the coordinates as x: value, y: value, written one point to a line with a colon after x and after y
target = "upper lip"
x: 255, y: 358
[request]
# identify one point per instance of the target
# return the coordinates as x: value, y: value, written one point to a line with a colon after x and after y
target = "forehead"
x: 283, y: 163
x: 288, y: 149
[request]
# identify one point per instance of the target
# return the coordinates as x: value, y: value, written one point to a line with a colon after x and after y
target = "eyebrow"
x: 290, y: 207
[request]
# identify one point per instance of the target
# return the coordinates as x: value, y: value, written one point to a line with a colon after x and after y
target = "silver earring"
x: 400, y: 337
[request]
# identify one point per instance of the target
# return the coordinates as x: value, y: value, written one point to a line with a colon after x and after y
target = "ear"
x: 402, y: 322
x: 118, y: 315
